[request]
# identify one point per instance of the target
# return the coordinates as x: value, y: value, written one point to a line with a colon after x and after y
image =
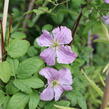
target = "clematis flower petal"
x: 65, y: 55
x: 62, y: 35
x: 58, y: 92
x: 106, y: 1
x: 106, y: 19
x: 65, y: 77
x: 48, y: 55
x: 45, y: 39
x: 49, y: 73
x: 67, y: 88
x: 47, y: 94
x: 59, y: 81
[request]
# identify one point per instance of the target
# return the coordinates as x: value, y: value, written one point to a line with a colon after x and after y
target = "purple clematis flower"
x: 58, y: 81
x: 56, y: 42
x: 106, y: 19
x: 106, y: 1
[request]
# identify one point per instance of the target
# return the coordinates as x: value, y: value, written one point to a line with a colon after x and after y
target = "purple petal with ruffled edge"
x: 65, y: 55
x: 106, y: 1
x: 49, y: 55
x: 49, y: 73
x: 58, y: 92
x: 65, y: 77
x: 47, y: 94
x: 62, y: 34
x: 45, y: 39
x: 66, y: 87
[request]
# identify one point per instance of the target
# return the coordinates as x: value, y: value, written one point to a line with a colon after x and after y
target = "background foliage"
x: 20, y: 83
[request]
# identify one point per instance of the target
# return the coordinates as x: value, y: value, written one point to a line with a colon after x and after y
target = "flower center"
x: 55, y: 44
x: 55, y: 83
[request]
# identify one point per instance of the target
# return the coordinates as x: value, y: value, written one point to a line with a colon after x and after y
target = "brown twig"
x: 106, y: 94
x: 76, y: 23
x: 28, y: 16
x: 2, y: 41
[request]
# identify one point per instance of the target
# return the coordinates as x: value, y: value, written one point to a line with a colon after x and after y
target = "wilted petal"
x: 66, y: 87
x: 47, y: 94
x: 62, y: 34
x: 65, y: 55
x: 65, y: 77
x: 45, y: 39
x: 58, y: 92
x: 48, y: 55
x: 49, y: 73
x: 106, y: 1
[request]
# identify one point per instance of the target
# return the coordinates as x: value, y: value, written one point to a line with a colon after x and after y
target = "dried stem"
x: 3, y: 28
x: 5, y: 14
x: 106, y: 94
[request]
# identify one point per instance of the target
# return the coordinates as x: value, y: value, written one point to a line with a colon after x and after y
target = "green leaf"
x: 76, y: 3
x: 61, y: 103
x: 58, y: 18
x: 7, y: 98
x: 10, y: 88
x: 72, y: 98
x: 32, y: 51
x: 41, y: 10
x: 21, y: 86
x: 32, y: 82
x: 5, y: 71
x: 18, y: 101
x: 34, y: 100
x: 60, y: 66
x: 29, y: 66
x: 2, y: 97
x: 47, y: 27
x: 62, y: 107
x: 17, y: 48
x: 18, y: 35
x: 14, y: 63
x: 82, y: 102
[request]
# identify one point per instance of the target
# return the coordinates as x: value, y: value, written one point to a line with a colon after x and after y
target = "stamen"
x: 55, y: 83
x: 55, y: 44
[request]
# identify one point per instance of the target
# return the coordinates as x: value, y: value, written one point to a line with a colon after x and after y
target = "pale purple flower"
x: 57, y: 83
x: 106, y: 1
x: 56, y: 42
x: 106, y: 19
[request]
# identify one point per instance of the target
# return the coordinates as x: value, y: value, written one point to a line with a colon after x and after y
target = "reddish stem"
x: 2, y: 39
